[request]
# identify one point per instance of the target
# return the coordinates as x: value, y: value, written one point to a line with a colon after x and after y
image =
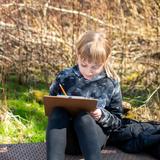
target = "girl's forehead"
x: 90, y: 61
x: 93, y: 56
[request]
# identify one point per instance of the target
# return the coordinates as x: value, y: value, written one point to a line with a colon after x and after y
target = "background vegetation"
x: 37, y: 40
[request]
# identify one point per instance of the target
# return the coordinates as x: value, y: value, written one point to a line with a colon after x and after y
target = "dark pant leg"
x: 56, y: 134
x: 72, y: 140
x: 90, y: 135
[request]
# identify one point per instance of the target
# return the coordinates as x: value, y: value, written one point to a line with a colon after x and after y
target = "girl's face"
x: 89, y: 69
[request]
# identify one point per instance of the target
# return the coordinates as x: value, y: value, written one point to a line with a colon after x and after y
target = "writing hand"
x: 96, y: 114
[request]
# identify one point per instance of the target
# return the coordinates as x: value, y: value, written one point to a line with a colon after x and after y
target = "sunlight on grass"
x: 11, y: 129
x: 25, y: 120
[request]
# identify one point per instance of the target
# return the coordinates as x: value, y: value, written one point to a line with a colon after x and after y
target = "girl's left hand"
x: 96, y: 114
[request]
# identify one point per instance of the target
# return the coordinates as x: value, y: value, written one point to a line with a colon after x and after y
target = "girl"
x: 93, y: 77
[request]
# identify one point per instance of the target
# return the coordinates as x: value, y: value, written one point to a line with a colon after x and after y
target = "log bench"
x: 37, y: 151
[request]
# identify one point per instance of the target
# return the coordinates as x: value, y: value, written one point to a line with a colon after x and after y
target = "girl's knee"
x: 59, y: 118
x: 83, y: 119
x: 58, y: 114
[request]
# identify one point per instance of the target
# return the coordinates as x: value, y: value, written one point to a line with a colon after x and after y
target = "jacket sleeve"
x: 112, y: 114
x: 54, y: 88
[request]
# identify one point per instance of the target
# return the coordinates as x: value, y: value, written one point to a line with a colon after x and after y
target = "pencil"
x: 63, y: 90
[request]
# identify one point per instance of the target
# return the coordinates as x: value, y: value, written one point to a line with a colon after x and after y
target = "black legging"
x: 73, y: 135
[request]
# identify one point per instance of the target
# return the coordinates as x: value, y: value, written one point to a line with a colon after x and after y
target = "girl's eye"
x: 83, y: 65
x: 96, y: 67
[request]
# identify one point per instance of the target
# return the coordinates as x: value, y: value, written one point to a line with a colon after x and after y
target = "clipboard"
x: 73, y: 104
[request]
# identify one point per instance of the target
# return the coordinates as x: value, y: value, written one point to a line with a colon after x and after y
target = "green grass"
x: 136, y: 97
x: 25, y: 121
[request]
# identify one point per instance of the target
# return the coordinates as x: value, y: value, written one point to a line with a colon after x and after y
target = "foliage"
x: 141, y: 104
x: 25, y: 120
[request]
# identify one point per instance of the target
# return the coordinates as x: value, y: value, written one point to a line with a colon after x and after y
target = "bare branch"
x: 5, y: 58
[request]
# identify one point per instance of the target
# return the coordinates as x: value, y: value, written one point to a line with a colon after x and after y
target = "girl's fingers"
x: 96, y: 116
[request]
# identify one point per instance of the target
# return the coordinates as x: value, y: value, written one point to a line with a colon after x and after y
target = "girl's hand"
x: 96, y: 114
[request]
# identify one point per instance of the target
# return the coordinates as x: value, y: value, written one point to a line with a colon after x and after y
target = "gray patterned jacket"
x: 101, y: 87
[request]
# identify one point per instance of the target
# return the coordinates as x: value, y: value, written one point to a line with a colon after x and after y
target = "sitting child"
x: 92, y: 77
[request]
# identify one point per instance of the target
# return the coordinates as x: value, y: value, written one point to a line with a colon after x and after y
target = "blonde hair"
x: 94, y: 47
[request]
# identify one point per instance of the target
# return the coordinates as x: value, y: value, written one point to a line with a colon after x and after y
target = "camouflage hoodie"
x: 101, y: 87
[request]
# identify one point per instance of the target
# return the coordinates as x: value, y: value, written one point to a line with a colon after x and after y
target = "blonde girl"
x: 92, y: 77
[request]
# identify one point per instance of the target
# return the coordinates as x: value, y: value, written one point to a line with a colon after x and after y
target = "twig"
x: 148, y: 99
x: 4, y: 25
x: 6, y: 58
x: 42, y: 39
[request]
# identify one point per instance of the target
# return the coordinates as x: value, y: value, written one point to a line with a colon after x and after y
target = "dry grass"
x: 38, y: 37
x: 12, y: 129
x: 149, y: 111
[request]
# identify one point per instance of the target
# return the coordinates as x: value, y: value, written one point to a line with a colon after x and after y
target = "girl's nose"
x: 90, y: 72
